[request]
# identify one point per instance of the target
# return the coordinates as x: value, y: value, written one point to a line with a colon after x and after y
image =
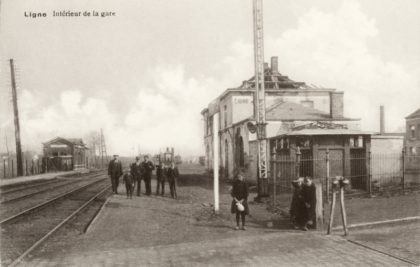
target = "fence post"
x: 26, y: 167
x: 319, y: 207
x: 370, y: 173
x: 298, y: 154
x: 4, y: 168
x: 327, y: 159
x: 403, y: 169
x: 37, y: 166
x: 13, y: 169
x: 274, y: 174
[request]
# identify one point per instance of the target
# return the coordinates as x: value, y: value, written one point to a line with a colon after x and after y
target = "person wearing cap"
x: 135, y: 169
x: 160, y: 186
x: 172, y: 173
x: 146, y: 172
x: 114, y: 172
x: 240, y: 200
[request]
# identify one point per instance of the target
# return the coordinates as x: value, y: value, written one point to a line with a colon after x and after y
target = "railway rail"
x: 48, y: 188
x: 26, y: 230
x: 360, y: 244
x: 19, y: 187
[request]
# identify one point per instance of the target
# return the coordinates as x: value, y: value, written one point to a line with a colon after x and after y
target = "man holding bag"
x: 240, y: 200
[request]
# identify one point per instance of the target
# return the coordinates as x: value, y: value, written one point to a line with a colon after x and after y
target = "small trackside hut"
x: 64, y: 154
x: 303, y: 150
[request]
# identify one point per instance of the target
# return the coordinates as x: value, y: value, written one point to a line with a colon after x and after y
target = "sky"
x: 144, y: 75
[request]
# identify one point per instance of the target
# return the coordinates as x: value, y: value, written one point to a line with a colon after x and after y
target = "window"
x: 209, y: 125
x: 225, y: 115
x: 356, y: 141
x: 413, y: 131
x: 418, y: 131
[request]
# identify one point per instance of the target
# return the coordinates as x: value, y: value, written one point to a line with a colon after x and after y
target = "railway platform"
x: 38, y: 177
x: 160, y: 231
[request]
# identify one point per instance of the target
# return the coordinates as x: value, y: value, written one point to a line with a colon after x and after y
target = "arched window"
x: 226, y: 158
x: 239, y: 149
x: 241, y: 152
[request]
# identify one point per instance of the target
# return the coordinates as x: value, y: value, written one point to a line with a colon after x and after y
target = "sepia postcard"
x: 210, y: 133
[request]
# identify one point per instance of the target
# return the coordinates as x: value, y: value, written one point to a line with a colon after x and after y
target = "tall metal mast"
x: 259, y: 102
x: 19, y: 162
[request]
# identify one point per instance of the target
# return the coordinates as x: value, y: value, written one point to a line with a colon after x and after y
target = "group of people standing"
x: 302, y: 207
x: 142, y: 171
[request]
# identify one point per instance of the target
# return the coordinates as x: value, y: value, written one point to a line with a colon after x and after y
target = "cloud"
x: 167, y: 114
x: 72, y: 116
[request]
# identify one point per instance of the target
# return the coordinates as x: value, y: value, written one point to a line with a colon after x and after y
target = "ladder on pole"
x: 259, y: 102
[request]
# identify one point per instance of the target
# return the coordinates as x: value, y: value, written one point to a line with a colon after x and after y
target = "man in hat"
x: 146, y: 172
x: 160, y: 179
x: 135, y: 170
x: 114, y: 172
x: 172, y: 173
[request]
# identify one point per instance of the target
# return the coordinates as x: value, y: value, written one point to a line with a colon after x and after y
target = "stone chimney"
x: 336, y: 105
x: 382, y: 119
x: 274, y: 64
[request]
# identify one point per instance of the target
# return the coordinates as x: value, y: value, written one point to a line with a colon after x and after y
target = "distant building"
x: 387, y: 142
x: 289, y: 104
x: 412, y: 148
x: 63, y: 154
x: 412, y: 135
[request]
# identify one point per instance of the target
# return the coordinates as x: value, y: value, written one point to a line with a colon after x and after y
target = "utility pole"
x: 259, y: 98
x: 103, y: 149
x: 17, y: 127
x: 7, y: 146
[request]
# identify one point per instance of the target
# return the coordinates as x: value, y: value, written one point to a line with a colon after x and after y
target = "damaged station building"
x: 299, y: 117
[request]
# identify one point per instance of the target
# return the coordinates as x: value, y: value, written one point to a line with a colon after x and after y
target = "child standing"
x: 129, y: 184
x: 240, y: 200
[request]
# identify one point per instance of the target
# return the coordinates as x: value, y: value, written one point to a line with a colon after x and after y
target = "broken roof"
x: 274, y: 80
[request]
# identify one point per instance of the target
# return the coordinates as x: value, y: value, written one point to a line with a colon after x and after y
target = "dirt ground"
x: 162, y: 221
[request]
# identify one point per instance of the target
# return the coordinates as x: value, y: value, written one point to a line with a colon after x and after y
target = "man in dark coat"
x: 240, y: 195
x: 135, y: 169
x: 114, y: 172
x: 160, y: 179
x: 146, y: 172
x: 309, y: 199
x: 172, y: 173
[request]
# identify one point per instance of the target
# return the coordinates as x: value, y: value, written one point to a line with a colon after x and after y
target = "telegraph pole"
x: 17, y: 127
x: 103, y: 149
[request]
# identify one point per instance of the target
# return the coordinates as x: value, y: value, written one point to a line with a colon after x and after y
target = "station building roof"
x: 415, y: 114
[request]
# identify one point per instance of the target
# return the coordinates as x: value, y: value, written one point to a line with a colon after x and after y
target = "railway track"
x: 17, y: 188
x: 26, y: 230
x: 50, y: 186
